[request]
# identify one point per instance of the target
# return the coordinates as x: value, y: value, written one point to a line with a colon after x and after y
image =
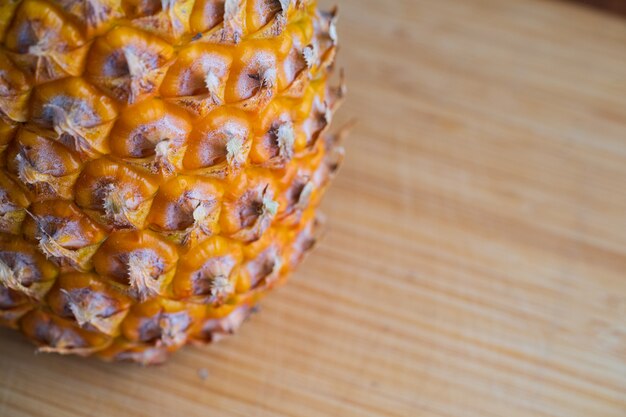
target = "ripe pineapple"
x: 161, y: 163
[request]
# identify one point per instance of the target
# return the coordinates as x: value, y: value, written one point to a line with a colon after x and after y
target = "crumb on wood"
x: 203, y: 374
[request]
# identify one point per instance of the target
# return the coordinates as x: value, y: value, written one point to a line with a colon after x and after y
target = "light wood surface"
x: 476, y: 254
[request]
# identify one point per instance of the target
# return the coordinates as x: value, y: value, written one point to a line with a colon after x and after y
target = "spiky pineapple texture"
x: 161, y: 165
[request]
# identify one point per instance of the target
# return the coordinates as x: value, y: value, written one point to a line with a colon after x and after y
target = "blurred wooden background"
x: 611, y: 6
x: 476, y: 254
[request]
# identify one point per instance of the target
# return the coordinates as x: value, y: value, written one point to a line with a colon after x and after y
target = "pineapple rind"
x: 161, y: 165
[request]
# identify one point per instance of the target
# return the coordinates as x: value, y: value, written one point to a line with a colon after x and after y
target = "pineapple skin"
x: 161, y: 165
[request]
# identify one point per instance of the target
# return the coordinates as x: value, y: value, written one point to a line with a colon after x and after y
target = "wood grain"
x: 613, y: 6
x: 475, y: 258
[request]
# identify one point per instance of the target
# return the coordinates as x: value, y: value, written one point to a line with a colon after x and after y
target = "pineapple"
x: 161, y: 164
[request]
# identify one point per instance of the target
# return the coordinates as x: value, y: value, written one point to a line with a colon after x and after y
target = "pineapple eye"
x: 253, y: 81
x: 207, y: 272
x: 196, y: 81
x: 56, y: 335
x: 265, y: 268
x: 44, y: 43
x: 89, y: 307
x: 141, y: 262
x: 155, y: 325
x: 275, y: 144
x: 173, y: 327
x: 115, y: 194
x: 94, y: 305
x: 249, y: 211
x: 251, y: 207
x: 186, y: 209
x: 220, y: 143
x: 44, y: 166
x: 212, y: 280
x: 160, y: 323
x: 76, y: 114
x: 319, y: 119
x: 296, y: 199
x: 64, y: 233
x: 216, y: 147
x: 24, y: 269
x: 153, y: 136
x: 149, y: 330
x: 128, y: 64
x: 293, y: 68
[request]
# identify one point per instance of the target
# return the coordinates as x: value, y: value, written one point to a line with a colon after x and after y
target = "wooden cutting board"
x: 475, y: 260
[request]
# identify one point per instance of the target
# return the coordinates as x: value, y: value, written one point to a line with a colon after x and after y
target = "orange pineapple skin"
x: 161, y: 165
